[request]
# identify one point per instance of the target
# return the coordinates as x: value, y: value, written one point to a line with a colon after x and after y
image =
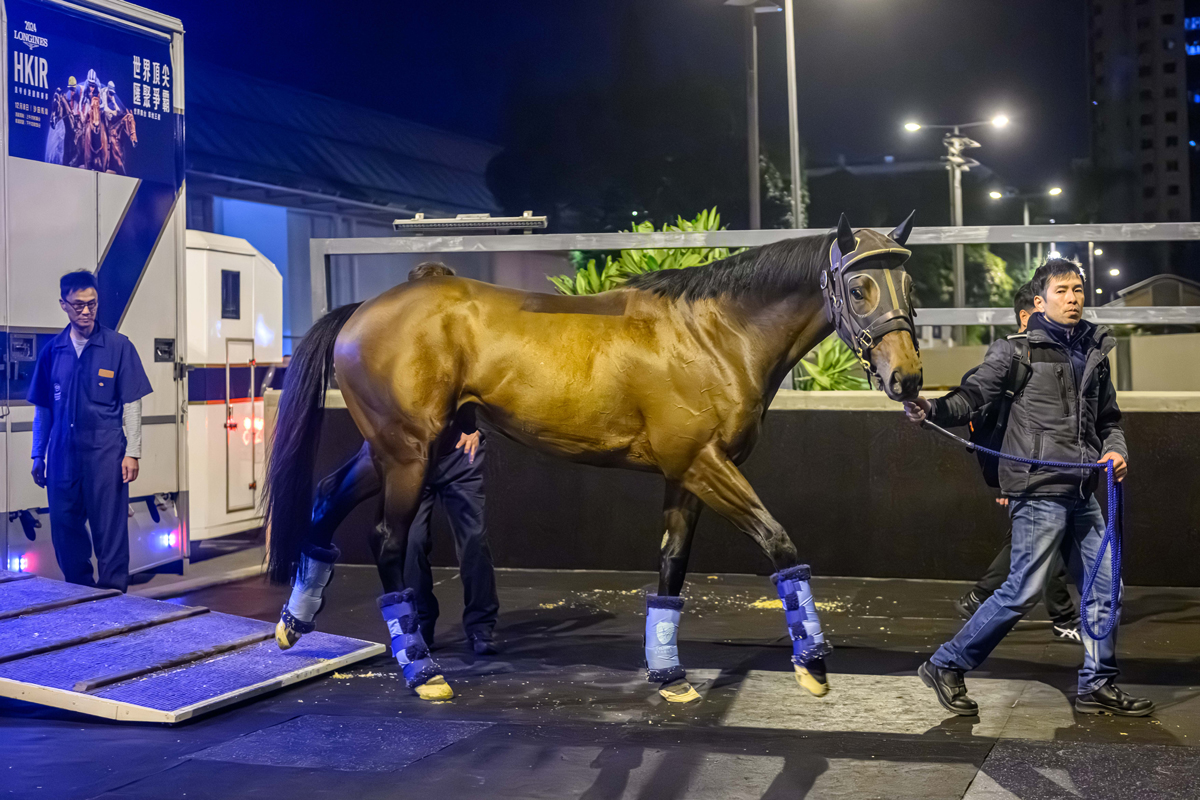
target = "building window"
x: 1191, y: 24
x: 1172, y: 141
x: 1147, y: 144
x: 1146, y: 119
x: 1143, y: 48
x: 1147, y: 169
x: 1172, y: 190
x: 1147, y: 192
x: 1173, y: 214
x: 1145, y: 94
x: 1143, y: 23
x: 1172, y: 166
x: 1169, y: 91
x: 1170, y: 116
x: 1168, y: 44
x: 1145, y: 72
x: 1193, y: 48
x: 1168, y: 19
x: 1169, y: 68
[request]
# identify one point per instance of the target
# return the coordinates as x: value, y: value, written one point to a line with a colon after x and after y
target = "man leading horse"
x: 671, y: 373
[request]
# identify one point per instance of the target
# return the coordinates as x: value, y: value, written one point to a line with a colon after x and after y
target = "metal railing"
x: 321, y: 250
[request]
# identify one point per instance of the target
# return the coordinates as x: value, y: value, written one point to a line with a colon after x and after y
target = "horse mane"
x: 765, y: 272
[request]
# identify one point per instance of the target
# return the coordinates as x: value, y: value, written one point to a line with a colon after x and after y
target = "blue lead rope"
x: 1112, y: 530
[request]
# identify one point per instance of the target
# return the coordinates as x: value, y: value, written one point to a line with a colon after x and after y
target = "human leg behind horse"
x: 718, y: 483
x: 460, y: 479
x: 337, y: 495
x: 681, y: 510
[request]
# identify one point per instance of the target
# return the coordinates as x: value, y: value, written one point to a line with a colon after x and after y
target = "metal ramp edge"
x: 131, y: 649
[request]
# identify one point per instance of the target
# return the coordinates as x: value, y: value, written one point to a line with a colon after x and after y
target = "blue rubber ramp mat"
x: 131, y: 658
x: 348, y: 744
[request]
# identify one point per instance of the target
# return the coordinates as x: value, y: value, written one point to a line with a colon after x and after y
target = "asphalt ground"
x: 564, y: 710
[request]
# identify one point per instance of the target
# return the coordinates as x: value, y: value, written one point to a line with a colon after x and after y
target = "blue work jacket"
x: 86, y: 395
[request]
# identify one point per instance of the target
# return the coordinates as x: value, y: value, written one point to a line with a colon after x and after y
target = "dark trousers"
x: 1055, y: 594
x: 99, y: 497
x: 459, y: 485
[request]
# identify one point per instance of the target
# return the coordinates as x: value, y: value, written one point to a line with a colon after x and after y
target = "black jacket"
x: 1052, y: 419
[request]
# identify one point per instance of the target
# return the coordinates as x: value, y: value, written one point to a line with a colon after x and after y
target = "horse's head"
x: 868, y: 298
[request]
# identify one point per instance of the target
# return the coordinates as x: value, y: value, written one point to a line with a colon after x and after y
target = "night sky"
x: 865, y: 66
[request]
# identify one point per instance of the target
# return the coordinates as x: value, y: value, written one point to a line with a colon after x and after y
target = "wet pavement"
x: 564, y: 711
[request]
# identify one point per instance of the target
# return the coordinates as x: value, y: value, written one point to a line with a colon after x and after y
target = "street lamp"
x: 1011, y: 194
x: 1114, y: 272
x: 752, y: 9
x: 957, y: 164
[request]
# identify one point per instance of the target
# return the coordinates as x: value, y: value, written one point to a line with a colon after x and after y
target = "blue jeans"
x: 1041, y: 526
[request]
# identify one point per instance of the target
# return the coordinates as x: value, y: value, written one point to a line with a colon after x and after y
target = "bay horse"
x: 123, y: 131
x: 94, y: 138
x: 671, y: 373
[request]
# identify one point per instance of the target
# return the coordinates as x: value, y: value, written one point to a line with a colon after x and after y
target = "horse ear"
x: 845, y: 236
x: 900, y: 235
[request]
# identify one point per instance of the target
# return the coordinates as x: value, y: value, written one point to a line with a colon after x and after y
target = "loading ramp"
x: 103, y: 653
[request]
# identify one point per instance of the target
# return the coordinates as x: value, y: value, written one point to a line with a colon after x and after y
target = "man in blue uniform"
x: 87, y: 387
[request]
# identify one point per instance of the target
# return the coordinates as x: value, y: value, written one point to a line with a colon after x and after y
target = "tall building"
x: 1145, y: 100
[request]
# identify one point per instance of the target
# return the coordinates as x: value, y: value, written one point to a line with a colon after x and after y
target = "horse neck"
x: 785, y: 329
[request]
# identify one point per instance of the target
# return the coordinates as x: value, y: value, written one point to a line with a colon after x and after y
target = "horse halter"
x: 873, y: 259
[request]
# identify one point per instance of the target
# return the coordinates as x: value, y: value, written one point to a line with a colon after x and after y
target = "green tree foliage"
x: 590, y: 279
x: 831, y: 367
x: 991, y: 280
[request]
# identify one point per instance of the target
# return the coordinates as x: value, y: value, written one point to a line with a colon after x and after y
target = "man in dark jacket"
x: 1057, y: 598
x: 1067, y: 412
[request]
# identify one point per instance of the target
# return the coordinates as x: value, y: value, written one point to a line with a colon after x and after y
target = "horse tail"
x: 288, y: 490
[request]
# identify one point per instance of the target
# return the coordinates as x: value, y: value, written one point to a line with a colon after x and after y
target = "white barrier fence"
x: 320, y: 251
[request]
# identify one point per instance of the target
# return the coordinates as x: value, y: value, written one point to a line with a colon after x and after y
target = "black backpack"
x: 988, y: 423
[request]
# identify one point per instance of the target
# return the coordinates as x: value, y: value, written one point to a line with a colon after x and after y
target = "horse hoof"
x: 810, y: 684
x: 285, y: 637
x: 435, y: 688
x: 679, y: 692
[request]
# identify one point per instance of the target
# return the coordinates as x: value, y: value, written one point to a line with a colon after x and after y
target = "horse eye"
x: 858, y: 293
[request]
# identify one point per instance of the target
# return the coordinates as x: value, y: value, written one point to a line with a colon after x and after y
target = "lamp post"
x: 751, y: 10
x: 1010, y: 194
x: 957, y: 164
x: 793, y: 109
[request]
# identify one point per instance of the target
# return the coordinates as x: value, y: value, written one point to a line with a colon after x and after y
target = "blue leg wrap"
x: 662, y: 638
x: 308, y: 587
x: 800, y: 611
x: 408, y: 646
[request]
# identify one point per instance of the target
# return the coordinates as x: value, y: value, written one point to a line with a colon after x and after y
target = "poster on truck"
x: 91, y: 94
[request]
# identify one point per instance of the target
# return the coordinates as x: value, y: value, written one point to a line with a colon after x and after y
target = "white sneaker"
x: 1067, y: 633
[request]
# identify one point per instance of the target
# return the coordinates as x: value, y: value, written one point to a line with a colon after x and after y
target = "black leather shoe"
x: 950, y: 687
x: 968, y: 604
x: 1111, y: 699
x: 483, y: 644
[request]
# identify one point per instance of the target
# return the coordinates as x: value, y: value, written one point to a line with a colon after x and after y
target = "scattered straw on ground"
x: 342, y: 676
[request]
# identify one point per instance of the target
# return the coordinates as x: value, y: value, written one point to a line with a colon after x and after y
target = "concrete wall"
x: 861, y: 492
x: 1165, y: 363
